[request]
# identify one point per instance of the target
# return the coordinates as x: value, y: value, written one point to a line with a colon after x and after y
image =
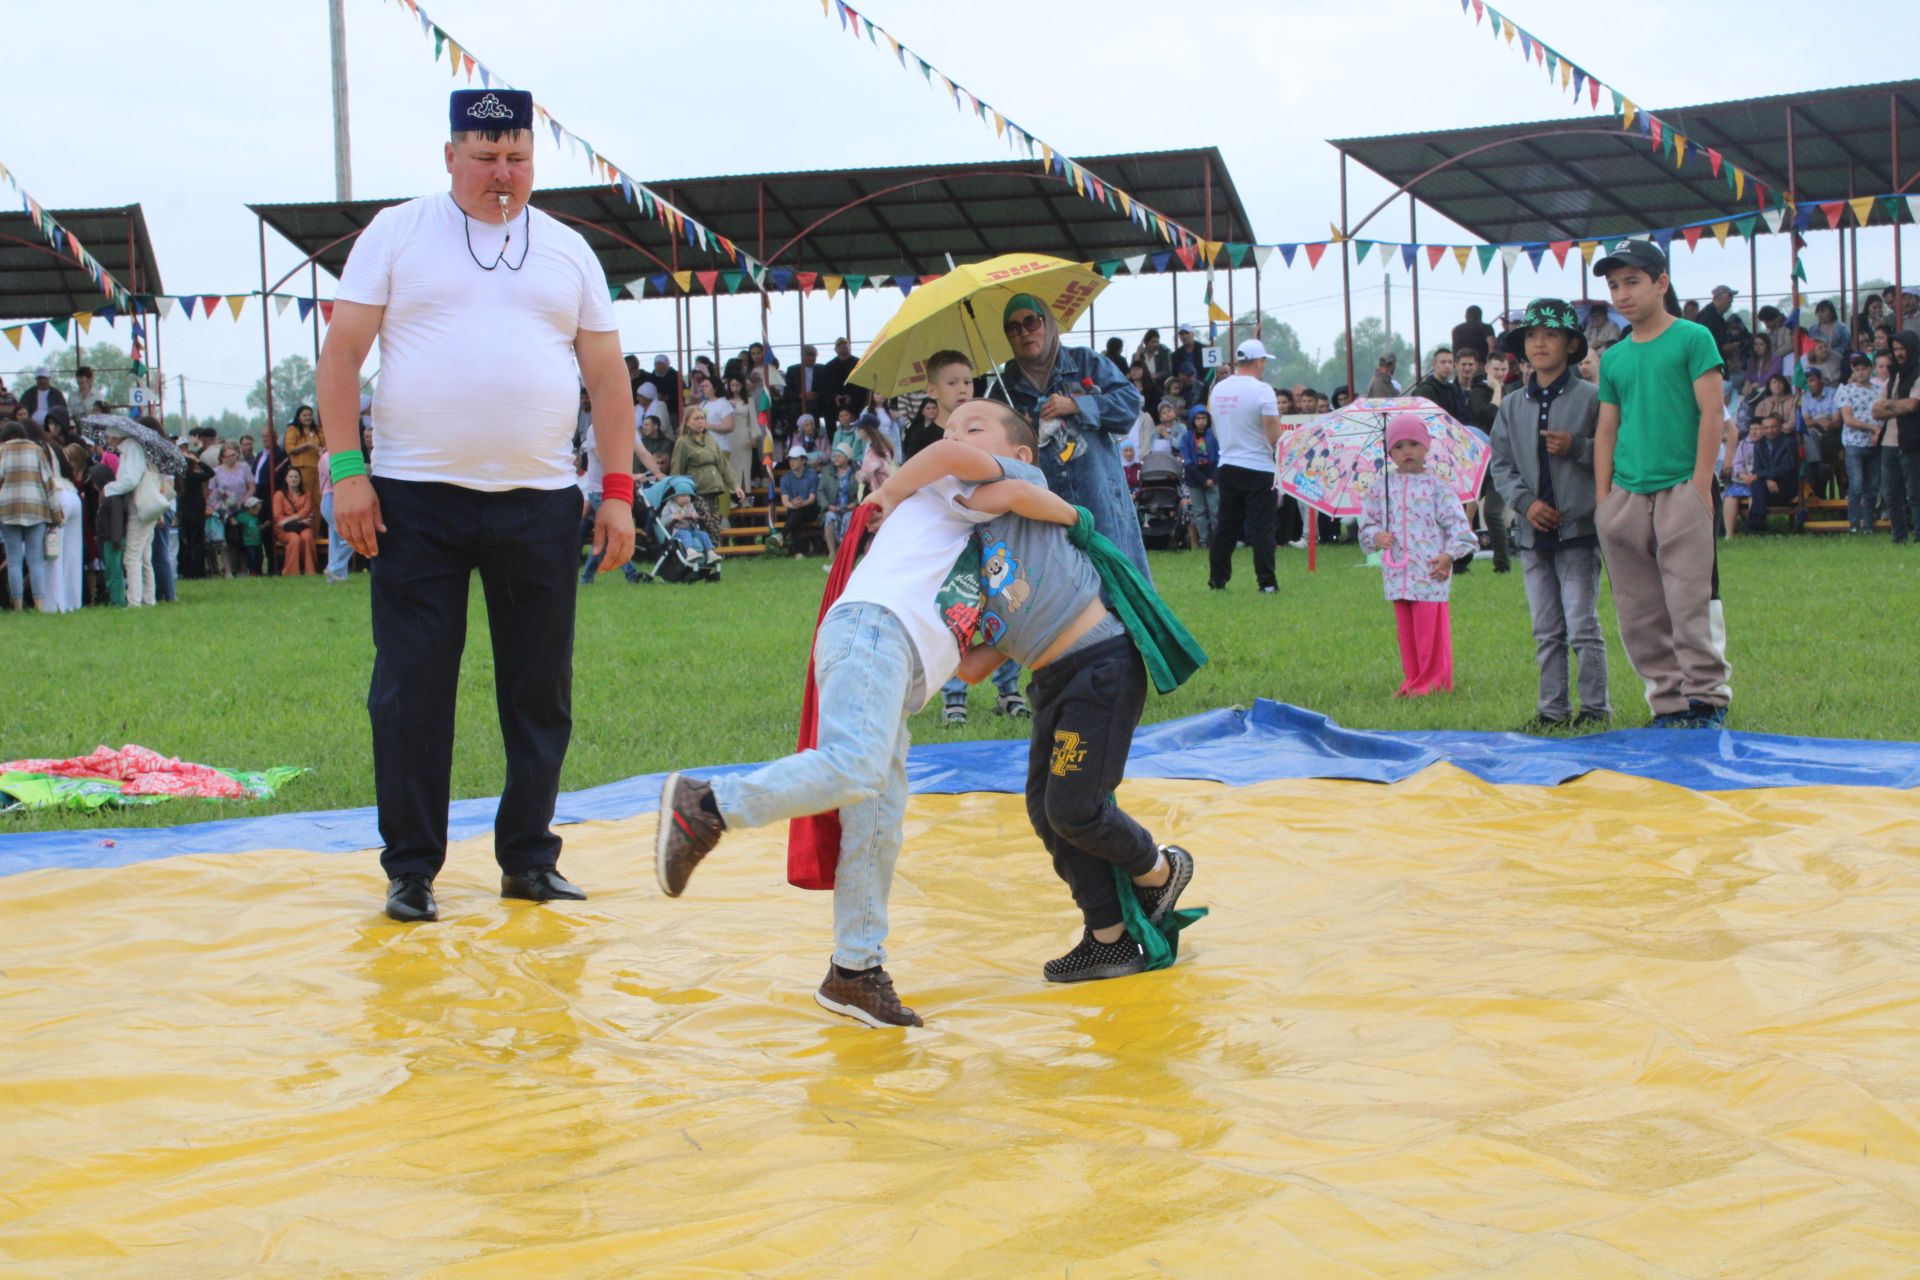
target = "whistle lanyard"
x: 466, y: 226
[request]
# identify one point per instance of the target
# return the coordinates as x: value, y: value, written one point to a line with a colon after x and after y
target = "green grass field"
x: 1824, y: 635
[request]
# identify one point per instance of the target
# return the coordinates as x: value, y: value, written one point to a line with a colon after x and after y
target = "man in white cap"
x: 490, y: 316
x: 43, y: 397
x: 1246, y: 417
x: 1714, y: 314
x: 799, y: 498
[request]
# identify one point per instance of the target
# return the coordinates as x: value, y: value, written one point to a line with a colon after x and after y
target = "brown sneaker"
x: 866, y: 997
x: 688, y: 832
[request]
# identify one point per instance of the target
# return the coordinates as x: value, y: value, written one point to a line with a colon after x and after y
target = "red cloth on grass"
x: 145, y: 773
x: 813, y: 843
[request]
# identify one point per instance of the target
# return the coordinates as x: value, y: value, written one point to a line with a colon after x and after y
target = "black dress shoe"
x: 410, y: 898
x: 541, y: 885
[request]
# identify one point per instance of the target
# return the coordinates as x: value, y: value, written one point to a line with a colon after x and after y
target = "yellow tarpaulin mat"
x: 1440, y: 1028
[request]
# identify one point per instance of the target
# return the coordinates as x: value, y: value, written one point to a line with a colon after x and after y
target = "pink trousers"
x: 1426, y: 646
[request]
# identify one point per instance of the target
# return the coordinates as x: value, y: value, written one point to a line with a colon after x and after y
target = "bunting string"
x: 64, y: 241
x: 1084, y: 183
x: 1661, y: 137
x: 1858, y: 211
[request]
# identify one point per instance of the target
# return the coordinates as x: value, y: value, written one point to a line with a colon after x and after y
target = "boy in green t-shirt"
x: 1654, y: 451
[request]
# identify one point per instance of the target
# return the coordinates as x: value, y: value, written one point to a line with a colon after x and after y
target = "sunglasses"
x: 1031, y: 324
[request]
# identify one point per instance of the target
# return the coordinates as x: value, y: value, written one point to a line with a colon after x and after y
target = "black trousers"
x: 1246, y: 498
x: 193, y: 544
x: 1085, y: 709
x: 523, y: 542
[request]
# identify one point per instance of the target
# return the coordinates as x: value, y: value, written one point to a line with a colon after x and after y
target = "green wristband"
x: 344, y: 464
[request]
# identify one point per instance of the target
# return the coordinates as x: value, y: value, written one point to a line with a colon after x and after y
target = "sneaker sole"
x: 1182, y: 877
x: 665, y: 829
x: 1098, y: 975
x: 853, y: 1011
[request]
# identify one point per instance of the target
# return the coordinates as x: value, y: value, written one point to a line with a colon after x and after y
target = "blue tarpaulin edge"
x: 1268, y: 742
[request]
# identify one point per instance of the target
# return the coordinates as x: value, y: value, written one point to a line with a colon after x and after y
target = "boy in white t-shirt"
x: 880, y: 652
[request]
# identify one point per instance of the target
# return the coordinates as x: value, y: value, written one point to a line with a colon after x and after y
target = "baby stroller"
x: 1162, y: 519
x: 653, y: 545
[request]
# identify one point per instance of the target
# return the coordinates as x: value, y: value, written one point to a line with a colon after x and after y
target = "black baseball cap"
x: 1644, y: 254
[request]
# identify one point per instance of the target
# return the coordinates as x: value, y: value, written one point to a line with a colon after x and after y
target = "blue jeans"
x: 339, y: 550
x: 1006, y: 678
x: 592, y: 569
x: 869, y: 679
x: 698, y: 541
x: 1863, y: 484
x: 25, y: 544
x: 1891, y: 491
x: 166, y: 546
x: 1206, y: 512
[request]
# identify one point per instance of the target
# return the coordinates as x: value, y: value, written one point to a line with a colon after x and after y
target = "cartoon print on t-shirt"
x: 1007, y: 588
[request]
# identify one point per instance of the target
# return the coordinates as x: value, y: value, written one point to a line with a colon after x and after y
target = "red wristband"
x: 617, y: 487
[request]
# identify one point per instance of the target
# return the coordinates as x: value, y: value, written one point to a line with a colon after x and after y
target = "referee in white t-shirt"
x: 490, y: 315
x: 1246, y: 417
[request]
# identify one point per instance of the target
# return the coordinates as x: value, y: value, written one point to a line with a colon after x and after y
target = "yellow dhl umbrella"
x: 936, y: 317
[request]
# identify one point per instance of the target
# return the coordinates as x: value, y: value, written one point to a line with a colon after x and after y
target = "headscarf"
x: 1038, y: 372
x: 1906, y: 373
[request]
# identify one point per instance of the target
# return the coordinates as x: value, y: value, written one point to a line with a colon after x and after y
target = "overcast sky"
x: 234, y: 107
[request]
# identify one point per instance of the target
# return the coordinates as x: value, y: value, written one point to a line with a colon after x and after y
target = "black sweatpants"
x: 1246, y: 499
x: 524, y: 543
x: 1085, y: 709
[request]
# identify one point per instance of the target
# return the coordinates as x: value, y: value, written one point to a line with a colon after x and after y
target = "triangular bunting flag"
x: 683, y: 280
x: 1692, y: 236
x: 833, y: 285
x: 1160, y: 261
x: 854, y: 284
x: 1408, y: 252
x: 235, y: 301
x: 709, y: 280
x: 1486, y: 252
x: 1663, y: 238
x: 1626, y: 112
x: 1186, y: 257
x: 1799, y: 269
x: 1775, y: 218
x: 84, y: 319
x: 806, y: 280
x: 905, y: 284
x: 38, y: 329
x: 1107, y: 267
x: 1261, y: 252
x: 60, y: 327
x: 1509, y: 254
x: 1461, y: 252
x: 733, y: 280
x: 1713, y: 158
x: 1360, y: 248
x: 280, y: 303
x: 1535, y: 252
x: 1559, y: 248
x: 166, y: 304
x: 1720, y: 230
x: 1434, y: 253
x: 781, y: 277
x: 1745, y: 225
x: 208, y: 302
x: 13, y: 336
x: 1313, y: 254
x: 326, y: 311
x: 306, y: 307
x: 1739, y: 183
x: 1237, y: 254
x: 1679, y: 149
x: 1862, y: 209
x: 1835, y: 210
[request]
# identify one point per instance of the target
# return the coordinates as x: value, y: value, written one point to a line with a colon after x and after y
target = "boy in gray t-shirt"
x: 1042, y: 609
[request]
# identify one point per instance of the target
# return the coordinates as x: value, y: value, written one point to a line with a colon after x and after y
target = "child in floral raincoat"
x: 1420, y: 528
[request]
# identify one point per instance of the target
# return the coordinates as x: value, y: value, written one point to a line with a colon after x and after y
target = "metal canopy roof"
x: 869, y: 222
x: 1586, y: 178
x: 37, y: 280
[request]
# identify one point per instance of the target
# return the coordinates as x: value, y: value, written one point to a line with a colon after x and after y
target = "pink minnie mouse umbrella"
x: 1333, y: 462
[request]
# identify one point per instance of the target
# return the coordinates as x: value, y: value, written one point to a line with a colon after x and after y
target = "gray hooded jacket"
x: 1516, y: 457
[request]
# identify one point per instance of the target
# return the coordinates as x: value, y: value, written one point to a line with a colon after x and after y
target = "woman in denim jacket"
x: 1082, y: 406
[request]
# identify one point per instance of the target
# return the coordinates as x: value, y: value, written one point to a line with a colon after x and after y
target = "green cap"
x: 1023, y: 302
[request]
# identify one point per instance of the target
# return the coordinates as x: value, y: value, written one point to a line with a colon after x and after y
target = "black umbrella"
x: 163, y: 454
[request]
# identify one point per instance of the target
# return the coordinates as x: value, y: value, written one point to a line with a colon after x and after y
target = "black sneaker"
x: 1157, y: 900
x: 1591, y: 722
x: 1542, y: 724
x: 1093, y: 960
x: 688, y: 831
x: 1014, y: 706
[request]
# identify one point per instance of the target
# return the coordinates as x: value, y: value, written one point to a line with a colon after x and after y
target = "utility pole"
x: 342, y: 151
